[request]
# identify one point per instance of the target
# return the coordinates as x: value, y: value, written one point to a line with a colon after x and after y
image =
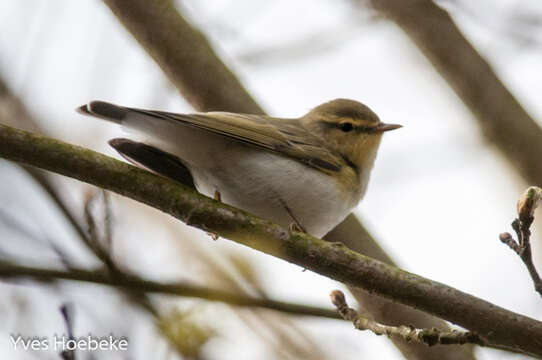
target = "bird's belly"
x: 278, y: 189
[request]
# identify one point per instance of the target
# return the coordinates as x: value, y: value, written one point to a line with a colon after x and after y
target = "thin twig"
x: 93, y: 240
x: 409, y: 333
x: 46, y: 184
x: 108, y: 220
x: 527, y: 203
x: 178, y: 289
x: 102, y: 250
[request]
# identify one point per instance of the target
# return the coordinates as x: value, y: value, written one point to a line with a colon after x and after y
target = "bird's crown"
x: 344, y: 110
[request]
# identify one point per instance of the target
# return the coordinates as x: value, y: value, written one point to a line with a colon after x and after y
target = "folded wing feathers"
x: 282, y: 136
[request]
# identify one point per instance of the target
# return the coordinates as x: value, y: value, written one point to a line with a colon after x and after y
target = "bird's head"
x: 348, y: 127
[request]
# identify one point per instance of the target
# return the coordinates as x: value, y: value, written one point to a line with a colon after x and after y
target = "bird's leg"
x: 218, y: 198
x: 295, y: 225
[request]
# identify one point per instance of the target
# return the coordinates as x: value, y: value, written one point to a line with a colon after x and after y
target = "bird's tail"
x: 104, y: 110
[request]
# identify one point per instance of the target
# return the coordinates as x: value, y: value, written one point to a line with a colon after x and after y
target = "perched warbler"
x: 308, y: 173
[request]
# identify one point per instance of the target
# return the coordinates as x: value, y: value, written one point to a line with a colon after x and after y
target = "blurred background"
x: 439, y: 196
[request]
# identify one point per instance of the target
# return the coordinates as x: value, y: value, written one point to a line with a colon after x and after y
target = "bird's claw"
x: 294, y: 226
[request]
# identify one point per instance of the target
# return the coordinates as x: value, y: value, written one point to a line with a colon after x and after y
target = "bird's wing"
x: 283, y: 136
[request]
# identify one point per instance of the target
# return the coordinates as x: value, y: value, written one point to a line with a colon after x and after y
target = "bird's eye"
x: 346, y: 126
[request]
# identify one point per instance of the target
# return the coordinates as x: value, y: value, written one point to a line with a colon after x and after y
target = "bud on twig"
x: 337, y: 298
x: 505, y: 237
x: 528, y: 202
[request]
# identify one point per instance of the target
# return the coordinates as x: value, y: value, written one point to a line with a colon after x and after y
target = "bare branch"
x: 99, y: 247
x: 493, y: 324
x: 132, y: 283
x: 428, y: 337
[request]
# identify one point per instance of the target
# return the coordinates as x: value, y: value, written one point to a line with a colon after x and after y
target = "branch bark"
x: 189, y: 61
x: 496, y: 326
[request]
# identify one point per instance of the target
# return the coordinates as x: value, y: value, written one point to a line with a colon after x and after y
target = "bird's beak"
x: 386, y: 127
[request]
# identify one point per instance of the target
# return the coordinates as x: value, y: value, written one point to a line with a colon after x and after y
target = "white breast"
x: 266, y: 185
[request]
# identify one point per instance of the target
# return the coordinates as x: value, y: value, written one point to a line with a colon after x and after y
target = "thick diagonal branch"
x: 496, y: 326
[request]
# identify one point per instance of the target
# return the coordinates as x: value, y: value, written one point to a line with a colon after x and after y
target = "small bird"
x: 307, y: 173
